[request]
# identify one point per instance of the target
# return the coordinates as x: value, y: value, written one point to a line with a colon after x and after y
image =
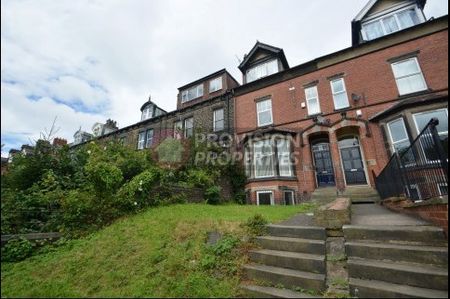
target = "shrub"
x: 212, y: 195
x: 256, y: 225
x: 137, y: 193
x: 104, y: 177
x: 200, y: 178
x: 16, y: 250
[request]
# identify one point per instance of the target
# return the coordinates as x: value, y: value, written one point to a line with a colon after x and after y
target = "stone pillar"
x: 336, y: 157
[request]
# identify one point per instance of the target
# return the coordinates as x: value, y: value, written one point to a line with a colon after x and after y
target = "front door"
x: 323, y: 165
x: 352, y: 162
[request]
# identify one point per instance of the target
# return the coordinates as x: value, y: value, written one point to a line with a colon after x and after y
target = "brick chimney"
x: 59, y: 141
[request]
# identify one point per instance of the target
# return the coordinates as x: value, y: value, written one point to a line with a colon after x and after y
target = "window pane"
x: 422, y: 119
x: 262, y: 70
x: 411, y: 84
x: 408, y: 18
x: 400, y: 147
x: 215, y: 84
x: 338, y: 85
x: 311, y: 92
x: 263, y: 159
x: 149, y: 141
x: 265, y: 118
x: 141, y: 140
x: 340, y: 100
x: 264, y: 198
x: 373, y: 30
x: 313, y: 107
x: 390, y: 24
x: 398, y: 130
x: 405, y: 68
x: 264, y: 105
x: 284, y: 155
x: 264, y: 109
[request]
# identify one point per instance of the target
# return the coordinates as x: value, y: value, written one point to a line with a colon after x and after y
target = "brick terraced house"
x: 336, y: 120
x: 333, y: 121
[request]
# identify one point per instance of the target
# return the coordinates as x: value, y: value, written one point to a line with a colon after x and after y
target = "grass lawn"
x: 157, y: 253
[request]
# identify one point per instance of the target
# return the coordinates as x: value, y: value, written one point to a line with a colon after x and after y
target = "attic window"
x: 147, y: 112
x: 390, y: 23
x: 192, y: 93
x: 262, y: 70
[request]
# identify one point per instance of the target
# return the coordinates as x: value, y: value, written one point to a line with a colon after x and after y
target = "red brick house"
x: 336, y: 120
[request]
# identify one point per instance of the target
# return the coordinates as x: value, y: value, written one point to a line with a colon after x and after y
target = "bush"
x: 212, y: 195
x: 256, y: 225
x: 104, y: 177
x: 16, y: 250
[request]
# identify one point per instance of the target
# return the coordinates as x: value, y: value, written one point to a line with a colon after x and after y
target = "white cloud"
x: 111, y: 54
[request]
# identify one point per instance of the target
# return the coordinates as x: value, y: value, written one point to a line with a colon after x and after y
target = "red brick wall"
x: 370, y: 75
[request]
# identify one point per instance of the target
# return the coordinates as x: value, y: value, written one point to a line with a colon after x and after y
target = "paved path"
x: 374, y: 214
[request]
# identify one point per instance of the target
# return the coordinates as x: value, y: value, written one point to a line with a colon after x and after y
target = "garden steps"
x: 291, y: 257
x: 271, y: 292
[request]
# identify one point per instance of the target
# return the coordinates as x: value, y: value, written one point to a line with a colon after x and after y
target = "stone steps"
x: 286, y: 277
x: 292, y: 244
x: 291, y: 260
x: 416, y: 275
x: 379, y: 289
x: 398, y: 252
x: 303, y: 232
x: 425, y: 235
x: 253, y: 291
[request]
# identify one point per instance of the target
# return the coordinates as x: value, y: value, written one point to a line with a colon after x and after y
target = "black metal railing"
x: 420, y: 171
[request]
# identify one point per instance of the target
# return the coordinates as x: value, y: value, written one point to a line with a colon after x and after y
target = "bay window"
x: 399, y: 136
x: 422, y: 119
x: 263, y: 155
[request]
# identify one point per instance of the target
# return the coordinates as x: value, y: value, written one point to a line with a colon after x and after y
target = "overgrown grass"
x: 158, y: 253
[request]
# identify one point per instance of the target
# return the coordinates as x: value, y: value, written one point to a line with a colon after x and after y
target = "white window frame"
x: 393, y: 143
x: 279, y: 155
x: 263, y: 69
x: 216, y: 120
x: 394, y: 13
x: 272, y: 157
x: 198, y: 93
x: 420, y: 73
x: 419, y: 130
x: 186, y: 127
x: 311, y: 99
x: 141, y: 141
x: 439, y: 185
x: 147, y: 145
x: 293, y: 196
x: 272, y: 201
x: 212, y: 82
x: 177, y: 129
x: 340, y: 92
x: 258, y: 112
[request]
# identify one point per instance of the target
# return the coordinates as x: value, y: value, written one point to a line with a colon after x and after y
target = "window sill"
x: 343, y: 109
x: 274, y: 178
x: 417, y: 93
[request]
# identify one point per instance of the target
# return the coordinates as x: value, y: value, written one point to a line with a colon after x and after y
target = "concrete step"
x: 254, y: 291
x: 397, y: 252
x: 292, y: 244
x: 286, y: 277
x: 304, y: 232
x: 427, y: 235
x: 291, y: 260
x: 380, y: 289
x: 416, y: 275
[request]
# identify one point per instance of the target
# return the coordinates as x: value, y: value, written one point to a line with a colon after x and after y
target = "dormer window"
x: 391, y: 22
x: 147, y: 112
x: 215, y: 84
x: 192, y: 93
x: 262, y: 70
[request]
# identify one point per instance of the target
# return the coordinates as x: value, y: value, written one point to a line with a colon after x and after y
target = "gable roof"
x: 356, y: 22
x: 261, y: 46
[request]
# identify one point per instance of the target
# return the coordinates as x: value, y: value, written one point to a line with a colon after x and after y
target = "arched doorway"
x: 323, y: 164
x: 352, y: 160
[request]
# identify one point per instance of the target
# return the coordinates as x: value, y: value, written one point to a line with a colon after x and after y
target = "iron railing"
x: 420, y: 171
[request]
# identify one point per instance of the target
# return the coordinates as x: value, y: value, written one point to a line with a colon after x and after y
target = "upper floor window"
x: 339, y: 94
x: 141, y: 140
x: 312, y: 100
x: 399, y: 135
x: 149, y: 138
x: 262, y: 70
x: 264, y: 111
x: 215, y: 85
x: 147, y: 113
x: 408, y: 76
x: 192, y: 93
x: 390, y: 23
x: 189, y: 127
x: 218, y: 118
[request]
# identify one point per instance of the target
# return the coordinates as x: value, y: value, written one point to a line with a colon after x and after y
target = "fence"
x: 419, y: 172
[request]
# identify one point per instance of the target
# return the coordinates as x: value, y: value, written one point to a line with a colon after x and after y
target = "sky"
x: 85, y: 61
